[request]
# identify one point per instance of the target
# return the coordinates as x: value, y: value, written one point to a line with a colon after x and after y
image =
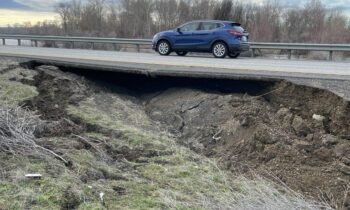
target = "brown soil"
x: 56, y: 92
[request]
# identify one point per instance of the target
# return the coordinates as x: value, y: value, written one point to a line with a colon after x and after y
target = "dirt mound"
x: 297, y: 134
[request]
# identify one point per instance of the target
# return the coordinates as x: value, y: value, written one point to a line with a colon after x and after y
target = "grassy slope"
x: 134, y: 166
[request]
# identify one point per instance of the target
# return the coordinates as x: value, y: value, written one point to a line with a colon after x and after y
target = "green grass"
x: 14, y: 92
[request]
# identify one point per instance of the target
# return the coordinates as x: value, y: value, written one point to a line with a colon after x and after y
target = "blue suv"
x: 219, y: 37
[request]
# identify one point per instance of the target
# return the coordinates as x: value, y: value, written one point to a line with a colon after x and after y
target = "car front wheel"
x: 220, y: 50
x: 181, y: 53
x: 163, y: 48
x: 234, y: 55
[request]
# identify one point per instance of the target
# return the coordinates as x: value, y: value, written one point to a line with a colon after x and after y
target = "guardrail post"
x: 92, y: 45
x: 115, y: 46
x: 253, y: 53
x: 19, y: 42
x: 289, y: 54
x: 72, y: 45
x: 53, y: 44
x: 3, y: 41
x: 330, y: 55
x: 36, y: 43
x: 138, y: 47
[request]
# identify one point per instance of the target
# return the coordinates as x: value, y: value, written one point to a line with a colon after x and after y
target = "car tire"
x: 234, y: 55
x: 163, y: 47
x: 220, y: 50
x: 181, y: 53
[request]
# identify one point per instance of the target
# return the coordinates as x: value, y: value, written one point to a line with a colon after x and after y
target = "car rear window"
x: 237, y: 27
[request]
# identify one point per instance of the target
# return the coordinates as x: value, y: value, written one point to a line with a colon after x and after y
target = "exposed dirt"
x: 56, y: 92
x: 273, y: 133
x: 297, y: 134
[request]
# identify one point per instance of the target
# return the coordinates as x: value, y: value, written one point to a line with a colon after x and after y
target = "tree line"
x: 267, y: 22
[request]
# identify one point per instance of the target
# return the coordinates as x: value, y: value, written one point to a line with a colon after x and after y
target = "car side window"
x: 210, y: 26
x: 190, y: 27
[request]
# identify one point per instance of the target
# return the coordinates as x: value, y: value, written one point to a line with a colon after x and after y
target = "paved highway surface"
x: 190, y: 66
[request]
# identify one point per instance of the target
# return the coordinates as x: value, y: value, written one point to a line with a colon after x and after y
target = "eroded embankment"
x: 127, y: 136
x: 298, y: 134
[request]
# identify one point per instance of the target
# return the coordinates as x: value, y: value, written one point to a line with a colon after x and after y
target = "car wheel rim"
x: 163, y: 48
x: 219, y: 50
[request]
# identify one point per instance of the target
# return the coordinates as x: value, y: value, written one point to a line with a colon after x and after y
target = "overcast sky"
x: 19, y: 11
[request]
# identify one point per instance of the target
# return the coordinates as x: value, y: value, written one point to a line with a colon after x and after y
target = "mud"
x: 291, y: 133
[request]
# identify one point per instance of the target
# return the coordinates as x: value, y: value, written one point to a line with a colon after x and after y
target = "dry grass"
x: 17, y: 127
x: 212, y: 188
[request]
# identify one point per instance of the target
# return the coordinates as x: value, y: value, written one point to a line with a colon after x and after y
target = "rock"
x: 346, y: 161
x: 318, y: 118
x: 324, y: 154
x: 329, y: 139
x: 282, y: 112
x: 285, y: 116
x: 342, y: 149
x: 344, y: 169
x: 303, y: 145
x: 347, y: 202
x: 264, y: 136
x: 246, y: 121
x: 300, y: 126
x: 310, y: 137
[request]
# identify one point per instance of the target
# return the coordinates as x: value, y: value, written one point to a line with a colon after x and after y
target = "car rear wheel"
x: 234, y: 55
x: 220, y: 50
x: 181, y: 53
x: 163, y: 48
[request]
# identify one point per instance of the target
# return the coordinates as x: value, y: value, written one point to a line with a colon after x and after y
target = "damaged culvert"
x: 293, y: 134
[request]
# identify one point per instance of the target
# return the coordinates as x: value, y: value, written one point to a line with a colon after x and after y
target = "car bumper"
x: 154, y: 46
x: 239, y: 47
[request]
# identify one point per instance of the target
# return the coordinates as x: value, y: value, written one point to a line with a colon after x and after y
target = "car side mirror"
x: 178, y: 30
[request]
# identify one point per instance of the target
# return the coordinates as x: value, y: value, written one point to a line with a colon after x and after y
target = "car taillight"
x: 235, y: 33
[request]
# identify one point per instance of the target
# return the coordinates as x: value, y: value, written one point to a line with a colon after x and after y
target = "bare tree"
x: 93, y: 18
x: 142, y: 18
x: 223, y: 10
x: 202, y: 9
x: 63, y: 9
x: 314, y: 17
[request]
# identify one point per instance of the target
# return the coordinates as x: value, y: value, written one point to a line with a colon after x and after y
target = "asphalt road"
x: 190, y: 66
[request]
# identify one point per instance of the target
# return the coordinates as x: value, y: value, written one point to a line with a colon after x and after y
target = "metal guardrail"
x: 289, y: 47
x: 73, y: 40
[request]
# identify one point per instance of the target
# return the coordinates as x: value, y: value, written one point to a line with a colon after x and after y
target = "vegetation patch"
x: 13, y: 90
